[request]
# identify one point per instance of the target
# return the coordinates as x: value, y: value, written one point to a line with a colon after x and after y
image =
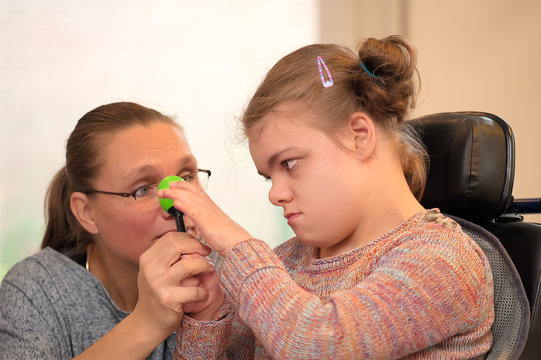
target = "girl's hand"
x: 161, y: 302
x: 218, y: 229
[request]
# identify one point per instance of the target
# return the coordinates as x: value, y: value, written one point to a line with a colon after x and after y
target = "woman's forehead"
x: 140, y: 138
x: 158, y: 144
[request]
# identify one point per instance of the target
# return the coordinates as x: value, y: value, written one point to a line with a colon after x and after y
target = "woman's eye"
x: 289, y: 164
x: 188, y: 178
x: 142, y: 191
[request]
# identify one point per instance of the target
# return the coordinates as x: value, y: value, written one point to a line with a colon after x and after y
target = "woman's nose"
x: 188, y: 224
x: 165, y: 214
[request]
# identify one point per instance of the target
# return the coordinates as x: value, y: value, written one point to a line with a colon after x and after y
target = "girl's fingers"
x: 186, y: 193
x: 218, y: 229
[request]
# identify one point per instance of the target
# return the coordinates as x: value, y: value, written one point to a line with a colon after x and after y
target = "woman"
x: 113, y: 278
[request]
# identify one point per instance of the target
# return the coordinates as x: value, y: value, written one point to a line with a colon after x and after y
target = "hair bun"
x: 385, y: 82
x: 392, y: 58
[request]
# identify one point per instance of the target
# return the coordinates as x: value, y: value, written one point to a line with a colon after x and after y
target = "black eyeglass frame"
x: 132, y: 194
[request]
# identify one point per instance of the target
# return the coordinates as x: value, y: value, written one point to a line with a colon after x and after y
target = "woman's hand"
x: 218, y: 229
x: 162, y: 269
x: 204, y: 310
x: 165, y: 292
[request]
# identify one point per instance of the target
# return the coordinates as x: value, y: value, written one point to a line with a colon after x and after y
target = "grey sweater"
x: 52, y: 308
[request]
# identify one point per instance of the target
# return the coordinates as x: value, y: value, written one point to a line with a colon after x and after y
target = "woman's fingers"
x: 191, y: 281
x: 169, y: 248
x: 157, y: 274
x: 161, y: 294
x: 195, y: 280
x: 188, y: 294
x: 179, y: 242
x: 190, y: 267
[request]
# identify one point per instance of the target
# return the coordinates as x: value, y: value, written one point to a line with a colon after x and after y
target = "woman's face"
x: 316, y: 182
x: 134, y: 158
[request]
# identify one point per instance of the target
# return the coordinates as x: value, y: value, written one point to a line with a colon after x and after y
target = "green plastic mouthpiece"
x: 164, y: 184
x: 167, y: 204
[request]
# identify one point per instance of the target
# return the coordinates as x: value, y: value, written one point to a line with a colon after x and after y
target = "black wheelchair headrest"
x: 472, y: 164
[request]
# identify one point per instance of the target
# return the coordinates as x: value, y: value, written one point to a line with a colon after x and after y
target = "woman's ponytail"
x: 62, y: 232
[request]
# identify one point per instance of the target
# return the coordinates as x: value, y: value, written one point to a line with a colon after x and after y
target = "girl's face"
x: 135, y: 158
x: 316, y: 182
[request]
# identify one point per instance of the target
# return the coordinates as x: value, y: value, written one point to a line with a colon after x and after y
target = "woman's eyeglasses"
x: 200, y: 177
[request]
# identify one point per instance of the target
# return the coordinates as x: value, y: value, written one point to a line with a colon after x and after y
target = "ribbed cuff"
x: 198, y: 340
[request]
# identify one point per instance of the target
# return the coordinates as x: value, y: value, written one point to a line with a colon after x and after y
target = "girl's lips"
x: 291, y: 217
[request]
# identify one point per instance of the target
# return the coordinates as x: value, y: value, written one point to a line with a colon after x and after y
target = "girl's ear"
x: 362, y: 131
x: 82, y: 209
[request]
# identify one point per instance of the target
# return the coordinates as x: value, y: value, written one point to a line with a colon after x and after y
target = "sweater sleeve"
x: 420, y: 293
x: 226, y: 334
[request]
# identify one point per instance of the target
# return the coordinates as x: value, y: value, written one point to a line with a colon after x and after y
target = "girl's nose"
x: 280, y: 193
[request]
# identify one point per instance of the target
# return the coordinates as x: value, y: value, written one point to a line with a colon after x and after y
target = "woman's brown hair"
x: 84, y: 158
x: 381, y: 80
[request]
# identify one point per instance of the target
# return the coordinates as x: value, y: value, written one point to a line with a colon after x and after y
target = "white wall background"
x: 198, y: 60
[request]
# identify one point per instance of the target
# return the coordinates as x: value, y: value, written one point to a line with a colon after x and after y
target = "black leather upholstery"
x: 472, y: 164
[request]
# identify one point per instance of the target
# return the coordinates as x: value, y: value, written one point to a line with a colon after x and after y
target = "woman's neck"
x: 118, y: 277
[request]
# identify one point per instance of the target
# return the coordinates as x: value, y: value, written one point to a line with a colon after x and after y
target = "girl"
x: 370, y: 273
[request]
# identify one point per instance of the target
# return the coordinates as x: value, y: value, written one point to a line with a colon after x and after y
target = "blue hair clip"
x: 367, y: 71
x: 326, y: 83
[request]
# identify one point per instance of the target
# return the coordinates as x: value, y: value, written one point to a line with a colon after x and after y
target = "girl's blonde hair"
x: 381, y: 81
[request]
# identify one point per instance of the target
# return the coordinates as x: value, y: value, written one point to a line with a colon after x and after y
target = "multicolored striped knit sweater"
x: 422, y: 291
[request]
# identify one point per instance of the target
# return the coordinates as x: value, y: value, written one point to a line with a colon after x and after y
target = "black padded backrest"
x: 471, y: 174
x: 472, y: 163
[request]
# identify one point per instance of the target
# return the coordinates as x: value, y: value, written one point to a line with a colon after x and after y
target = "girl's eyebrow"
x: 275, y: 156
x: 272, y: 160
